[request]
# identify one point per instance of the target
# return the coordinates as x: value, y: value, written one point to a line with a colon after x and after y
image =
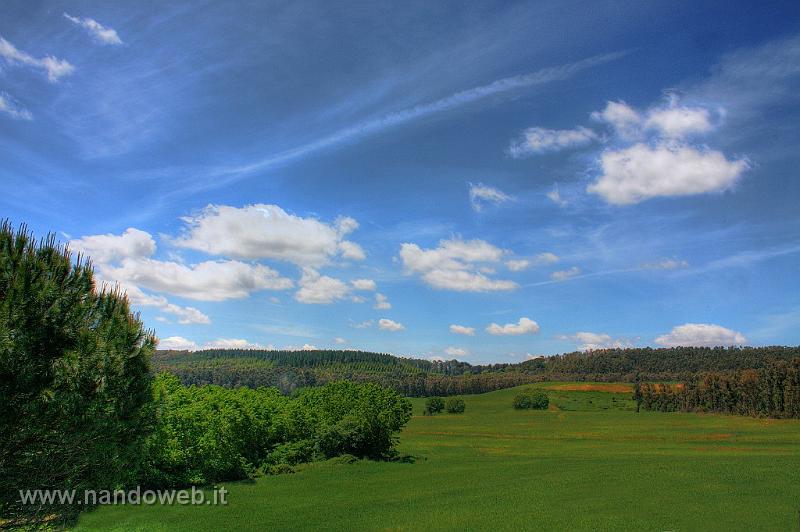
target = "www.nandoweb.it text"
x: 135, y: 496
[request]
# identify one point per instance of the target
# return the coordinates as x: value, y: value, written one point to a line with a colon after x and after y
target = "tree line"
x: 772, y: 390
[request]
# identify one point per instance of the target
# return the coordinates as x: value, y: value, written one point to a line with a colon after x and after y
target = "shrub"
x: 455, y: 405
x: 433, y: 405
x: 74, y: 379
x: 536, y: 400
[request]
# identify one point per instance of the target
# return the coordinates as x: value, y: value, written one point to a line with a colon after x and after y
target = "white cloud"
x: 267, y: 231
x: 390, y: 325
x: 460, y: 329
x: 180, y: 343
x: 666, y: 264
x: 555, y: 196
x: 351, y: 250
x: 677, y: 122
x: 540, y: 140
x: 517, y: 265
x: 364, y: 284
x: 542, y: 259
x: 701, y: 335
x: 99, y: 33
x: 205, y: 281
x: 381, y: 302
x: 456, y: 352
x: 589, y: 341
x: 177, y: 343
x: 125, y: 259
x: 641, y: 172
x: 339, y: 340
x: 363, y: 325
x: 9, y: 107
x: 108, y: 248
x: 523, y: 326
x: 320, y: 289
x: 623, y: 118
x: 481, y: 195
x: 563, y: 275
x: 455, y: 265
x: 185, y: 315
x: 54, y: 68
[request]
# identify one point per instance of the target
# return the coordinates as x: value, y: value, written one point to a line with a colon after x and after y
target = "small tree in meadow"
x: 433, y: 405
x: 534, y: 400
x: 455, y: 405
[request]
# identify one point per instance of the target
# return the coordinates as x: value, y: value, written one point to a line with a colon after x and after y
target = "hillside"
x: 289, y: 370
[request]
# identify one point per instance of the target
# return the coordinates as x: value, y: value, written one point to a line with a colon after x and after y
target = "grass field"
x: 589, y: 463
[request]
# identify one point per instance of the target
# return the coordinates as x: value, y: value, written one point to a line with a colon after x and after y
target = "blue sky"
x: 484, y: 182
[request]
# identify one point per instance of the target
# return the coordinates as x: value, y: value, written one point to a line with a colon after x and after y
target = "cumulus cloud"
x: 364, y: 284
x: 641, y: 172
x: 126, y: 259
x: 537, y: 140
x: 455, y: 265
x: 52, y: 66
x: 180, y: 343
x: 320, y: 289
x: 385, y: 324
x: 339, y: 340
x: 460, y: 329
x: 107, y: 248
x: 517, y: 265
x: 381, y: 302
x: 98, y: 32
x: 589, y: 341
x: 456, y: 352
x: 481, y: 195
x: 701, y: 335
x: 268, y: 232
x: 185, y: 315
x: 523, y: 326
x: 563, y: 275
x: 542, y: 259
x: 660, y: 158
x: 10, y: 107
x: 205, y: 281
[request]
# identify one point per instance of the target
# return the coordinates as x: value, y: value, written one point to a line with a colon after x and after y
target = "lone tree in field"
x: 433, y: 405
x: 75, y: 383
x: 455, y: 405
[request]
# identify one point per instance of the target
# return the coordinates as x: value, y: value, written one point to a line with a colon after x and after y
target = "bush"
x: 455, y: 405
x: 74, y: 379
x: 208, y: 433
x: 536, y: 400
x: 433, y: 405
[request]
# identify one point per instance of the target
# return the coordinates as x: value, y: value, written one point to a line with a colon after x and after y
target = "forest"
x: 772, y: 390
x: 289, y: 370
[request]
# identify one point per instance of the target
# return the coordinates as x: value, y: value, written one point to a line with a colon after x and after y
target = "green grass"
x: 589, y: 463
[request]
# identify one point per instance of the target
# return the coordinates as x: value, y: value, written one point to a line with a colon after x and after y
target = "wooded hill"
x: 289, y: 370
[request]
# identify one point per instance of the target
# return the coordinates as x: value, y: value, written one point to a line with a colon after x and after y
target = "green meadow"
x: 590, y: 462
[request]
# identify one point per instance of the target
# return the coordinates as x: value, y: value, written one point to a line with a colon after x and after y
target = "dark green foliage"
x: 290, y: 370
x: 536, y: 400
x: 433, y: 405
x: 74, y: 378
x: 208, y: 433
x: 455, y: 405
x: 770, y: 391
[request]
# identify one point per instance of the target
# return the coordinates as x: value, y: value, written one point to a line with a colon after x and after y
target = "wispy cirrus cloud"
x: 54, y: 67
x: 12, y: 109
x: 101, y: 34
x: 398, y: 118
